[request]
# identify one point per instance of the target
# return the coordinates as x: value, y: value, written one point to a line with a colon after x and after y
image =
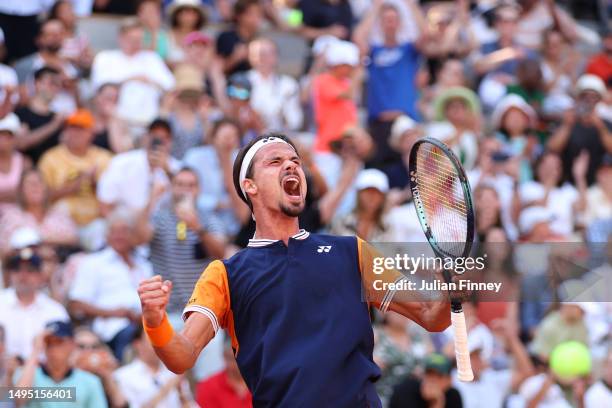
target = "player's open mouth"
x: 291, y: 186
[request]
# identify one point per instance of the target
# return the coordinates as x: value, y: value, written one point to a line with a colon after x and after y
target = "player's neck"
x: 278, y: 228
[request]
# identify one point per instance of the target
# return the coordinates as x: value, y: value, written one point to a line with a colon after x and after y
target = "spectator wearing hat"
x: 239, y: 93
x: 24, y: 308
x: 131, y: 177
x: 72, y: 169
x: 146, y: 382
x: 12, y: 162
x: 42, y: 124
x: 404, y: 132
x: 334, y: 94
x: 156, y: 37
x: 435, y: 389
x: 57, y: 344
x: 186, y: 17
x: 450, y: 74
x: 582, y: 129
x: 33, y: 210
x: 142, y: 74
x: 601, y: 64
x: 457, y: 115
x: 186, y: 109
x: 567, y: 323
x: 232, y: 44
x: 274, y: 96
x: 104, y: 286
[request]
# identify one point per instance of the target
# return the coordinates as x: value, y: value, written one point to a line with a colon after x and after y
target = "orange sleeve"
x: 211, y: 296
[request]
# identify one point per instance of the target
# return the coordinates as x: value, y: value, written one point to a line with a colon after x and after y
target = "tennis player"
x: 292, y: 301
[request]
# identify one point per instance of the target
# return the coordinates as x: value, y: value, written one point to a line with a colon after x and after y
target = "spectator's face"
x: 34, y: 189
x: 389, y: 21
x: 529, y: 74
x: 571, y: 313
x: 549, y: 170
x: 48, y: 86
x: 58, y: 350
x: 488, y: 207
x: 343, y: 71
x: 515, y: 122
x: 120, y: 237
x: 251, y: 18
x: 437, y: 380
x: 505, y: 26
x: 106, y: 100
x: 263, y: 55
x: 370, y: 200
x: 456, y: 110
x: 159, y: 139
x: 554, y: 45
x: 7, y: 141
x: 451, y: 74
x: 184, y: 184
x: 65, y: 13
x: 26, y: 279
x: 51, y: 36
x: 604, y: 178
x: 149, y: 14
x: 279, y: 180
x: 588, y: 99
x: 188, y: 17
x: 131, y: 40
x: 230, y: 135
x: 77, y: 138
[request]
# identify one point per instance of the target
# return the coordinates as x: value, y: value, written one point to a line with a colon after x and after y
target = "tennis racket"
x: 441, y: 195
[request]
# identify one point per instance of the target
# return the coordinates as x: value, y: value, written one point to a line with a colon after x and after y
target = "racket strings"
x: 443, y: 200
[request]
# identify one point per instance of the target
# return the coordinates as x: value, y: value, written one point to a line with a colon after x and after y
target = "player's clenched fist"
x: 154, y: 295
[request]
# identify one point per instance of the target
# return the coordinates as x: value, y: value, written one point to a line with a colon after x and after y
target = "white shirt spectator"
x: 560, y: 202
x: 598, y: 395
x: 23, y: 323
x: 138, y: 100
x: 598, y: 205
x: 104, y: 280
x: 489, y: 391
x: 554, y: 397
x: 128, y: 180
x: 25, y: 7
x: 405, y: 225
x: 139, y: 384
x: 8, y: 78
x: 276, y: 99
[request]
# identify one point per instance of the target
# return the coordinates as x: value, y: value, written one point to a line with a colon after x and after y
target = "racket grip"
x: 464, y: 366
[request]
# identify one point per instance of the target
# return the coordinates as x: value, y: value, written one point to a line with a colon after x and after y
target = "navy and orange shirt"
x: 299, y: 327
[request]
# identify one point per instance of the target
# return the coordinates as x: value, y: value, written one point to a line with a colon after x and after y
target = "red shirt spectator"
x: 601, y: 64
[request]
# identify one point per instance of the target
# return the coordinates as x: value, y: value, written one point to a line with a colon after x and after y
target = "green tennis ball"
x: 294, y: 18
x: 570, y: 360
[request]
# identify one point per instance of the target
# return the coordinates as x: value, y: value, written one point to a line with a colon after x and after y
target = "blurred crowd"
x: 116, y: 164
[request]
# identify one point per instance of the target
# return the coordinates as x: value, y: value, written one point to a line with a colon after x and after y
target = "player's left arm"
x: 432, y: 314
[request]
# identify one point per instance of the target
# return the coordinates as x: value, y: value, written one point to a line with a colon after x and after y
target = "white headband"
x: 250, y: 154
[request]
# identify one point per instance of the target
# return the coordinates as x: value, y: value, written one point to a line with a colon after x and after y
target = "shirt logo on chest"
x: 324, y: 248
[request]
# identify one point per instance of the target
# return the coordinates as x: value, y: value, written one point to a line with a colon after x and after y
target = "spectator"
x: 596, y: 204
x: 232, y: 44
x: 42, y: 124
x: 393, y: 353
x: 186, y: 108
x: 391, y: 87
x: 72, y: 169
x: 12, y: 163
x: 240, y: 109
x: 334, y: 94
x: 52, y: 223
x: 75, y: 48
x: 49, y: 42
x: 434, y: 390
x: 24, y: 308
x: 146, y: 382
x: 186, y: 16
x: 325, y: 17
x: 130, y: 176
x: 601, y: 64
x: 213, y: 164
x: 457, y: 115
x: 110, y: 131
x: 57, y: 343
x: 487, y: 203
x: 104, y: 287
x: 156, y: 38
x: 558, y: 63
x: 225, y: 389
x: 529, y: 83
x: 538, y: 16
x: 142, y: 74
x: 565, y: 324
x: 404, y: 133
x: 599, y: 394
x: 583, y: 130
x: 450, y: 75
x: 8, y: 77
x: 93, y: 356
x: 274, y: 96
x: 21, y: 25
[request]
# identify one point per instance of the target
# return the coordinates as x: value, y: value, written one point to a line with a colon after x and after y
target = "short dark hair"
x: 241, y: 7
x: 46, y: 70
x: 202, y: 18
x: 160, y: 123
x: 249, y: 173
x: 187, y: 169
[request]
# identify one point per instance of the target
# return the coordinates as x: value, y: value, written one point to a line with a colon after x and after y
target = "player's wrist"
x: 159, y: 335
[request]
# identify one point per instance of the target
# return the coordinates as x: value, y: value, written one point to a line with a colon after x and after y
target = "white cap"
x: 11, y: 123
x: 531, y: 216
x: 322, y: 43
x: 24, y: 237
x: 400, y: 126
x: 372, y: 178
x: 508, y: 102
x: 589, y: 82
x: 341, y: 53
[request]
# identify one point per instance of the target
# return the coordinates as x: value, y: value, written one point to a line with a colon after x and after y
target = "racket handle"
x: 464, y: 366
